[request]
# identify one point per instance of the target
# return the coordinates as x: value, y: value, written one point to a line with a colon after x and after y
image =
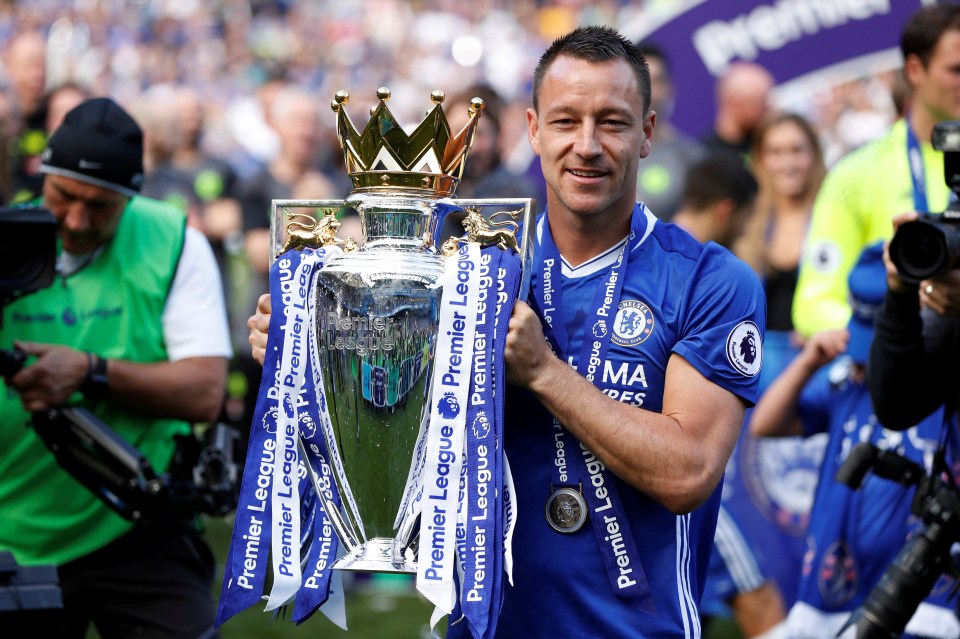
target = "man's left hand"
x: 48, y: 382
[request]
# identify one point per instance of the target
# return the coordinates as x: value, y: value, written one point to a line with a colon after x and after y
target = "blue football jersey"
x: 678, y: 296
x: 853, y: 536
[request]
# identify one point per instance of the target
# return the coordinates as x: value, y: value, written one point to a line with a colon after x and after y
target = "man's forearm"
x: 190, y: 389
x: 906, y: 381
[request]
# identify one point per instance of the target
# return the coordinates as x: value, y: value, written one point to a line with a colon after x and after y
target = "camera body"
x: 28, y: 251
x: 930, y: 245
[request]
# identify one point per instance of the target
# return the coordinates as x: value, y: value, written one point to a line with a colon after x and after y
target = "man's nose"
x: 77, y: 218
x: 587, y: 144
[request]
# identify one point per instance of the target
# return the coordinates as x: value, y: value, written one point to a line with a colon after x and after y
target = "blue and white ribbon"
x: 290, y: 407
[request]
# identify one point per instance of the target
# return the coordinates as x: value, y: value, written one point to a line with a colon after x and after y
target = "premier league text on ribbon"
x: 452, y: 376
x: 481, y: 454
x: 614, y: 537
x: 254, y: 525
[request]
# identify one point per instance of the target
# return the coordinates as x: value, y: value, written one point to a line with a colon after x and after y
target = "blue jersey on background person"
x: 853, y: 535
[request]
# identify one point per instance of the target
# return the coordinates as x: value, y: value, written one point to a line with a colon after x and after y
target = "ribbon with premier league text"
x: 481, y: 530
x: 289, y: 411
x: 459, y: 477
x: 607, y: 514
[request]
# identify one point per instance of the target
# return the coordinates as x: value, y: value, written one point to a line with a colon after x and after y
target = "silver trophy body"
x: 377, y: 312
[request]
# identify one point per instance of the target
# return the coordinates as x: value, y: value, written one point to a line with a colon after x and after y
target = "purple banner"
x: 790, y: 38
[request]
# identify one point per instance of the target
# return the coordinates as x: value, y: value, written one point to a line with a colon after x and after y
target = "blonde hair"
x: 751, y: 247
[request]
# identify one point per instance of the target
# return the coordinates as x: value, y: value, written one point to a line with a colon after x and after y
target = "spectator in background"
x: 897, y: 173
x: 485, y: 175
x: 743, y: 94
x: 789, y: 166
x: 291, y: 174
x: 661, y: 178
x: 24, y: 59
x: 717, y: 200
x: 60, y: 100
x: 294, y: 117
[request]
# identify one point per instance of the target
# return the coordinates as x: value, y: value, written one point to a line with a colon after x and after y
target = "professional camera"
x: 925, y: 556
x: 930, y: 245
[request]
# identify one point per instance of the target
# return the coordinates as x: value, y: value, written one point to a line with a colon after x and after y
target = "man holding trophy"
x: 630, y: 369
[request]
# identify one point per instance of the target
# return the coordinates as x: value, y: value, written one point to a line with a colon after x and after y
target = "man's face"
x: 937, y: 87
x: 590, y: 134
x: 87, y: 215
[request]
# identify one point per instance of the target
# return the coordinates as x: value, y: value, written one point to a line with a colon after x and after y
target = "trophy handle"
x: 521, y: 227
x: 298, y: 229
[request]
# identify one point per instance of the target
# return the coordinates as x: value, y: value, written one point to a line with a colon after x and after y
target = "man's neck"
x: 579, y: 239
x: 922, y: 123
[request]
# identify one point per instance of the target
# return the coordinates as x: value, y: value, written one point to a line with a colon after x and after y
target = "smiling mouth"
x: 586, y: 173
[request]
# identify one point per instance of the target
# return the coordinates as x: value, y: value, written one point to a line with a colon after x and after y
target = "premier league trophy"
x: 404, y: 328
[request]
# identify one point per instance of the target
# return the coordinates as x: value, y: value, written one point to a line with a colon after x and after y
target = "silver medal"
x: 566, y: 510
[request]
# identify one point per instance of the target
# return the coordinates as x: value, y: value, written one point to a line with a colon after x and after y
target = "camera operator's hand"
x: 259, y: 324
x: 56, y: 374
x: 942, y: 294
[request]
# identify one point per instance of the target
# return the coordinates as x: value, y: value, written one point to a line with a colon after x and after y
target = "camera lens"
x: 923, y: 249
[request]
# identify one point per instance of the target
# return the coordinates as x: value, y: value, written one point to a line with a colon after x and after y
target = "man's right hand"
x: 259, y: 324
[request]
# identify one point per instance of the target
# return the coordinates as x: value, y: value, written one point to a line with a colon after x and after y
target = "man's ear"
x: 649, y: 124
x: 533, y: 130
x: 913, y: 70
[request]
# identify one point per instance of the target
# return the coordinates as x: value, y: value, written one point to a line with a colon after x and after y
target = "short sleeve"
x: 722, y: 321
x: 813, y: 405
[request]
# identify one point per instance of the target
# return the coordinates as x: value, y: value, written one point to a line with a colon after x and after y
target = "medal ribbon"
x: 607, y: 515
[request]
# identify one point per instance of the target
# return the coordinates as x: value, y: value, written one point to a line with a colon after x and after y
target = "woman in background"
x: 789, y: 167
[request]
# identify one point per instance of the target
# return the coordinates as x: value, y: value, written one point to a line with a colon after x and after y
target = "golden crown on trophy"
x: 385, y: 158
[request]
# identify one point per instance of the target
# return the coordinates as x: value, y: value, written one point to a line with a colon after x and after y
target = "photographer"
x: 134, y: 329
x: 855, y: 533
x: 913, y: 361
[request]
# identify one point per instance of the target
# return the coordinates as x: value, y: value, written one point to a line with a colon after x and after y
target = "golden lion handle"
x: 313, y: 233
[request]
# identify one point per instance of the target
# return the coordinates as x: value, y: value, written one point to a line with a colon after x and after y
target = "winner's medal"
x: 566, y: 510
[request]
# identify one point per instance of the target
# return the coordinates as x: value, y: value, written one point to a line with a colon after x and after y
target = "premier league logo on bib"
x: 633, y: 323
x: 744, y: 351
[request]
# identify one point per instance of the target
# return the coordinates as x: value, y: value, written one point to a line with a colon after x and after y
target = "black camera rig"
x: 203, y: 476
x: 926, y: 554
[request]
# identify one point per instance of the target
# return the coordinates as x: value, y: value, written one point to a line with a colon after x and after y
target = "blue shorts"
x: 734, y: 566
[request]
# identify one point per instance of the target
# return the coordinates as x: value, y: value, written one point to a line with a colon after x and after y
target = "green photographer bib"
x: 113, y: 307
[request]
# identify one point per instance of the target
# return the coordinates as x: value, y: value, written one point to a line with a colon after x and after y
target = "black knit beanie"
x: 98, y: 143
